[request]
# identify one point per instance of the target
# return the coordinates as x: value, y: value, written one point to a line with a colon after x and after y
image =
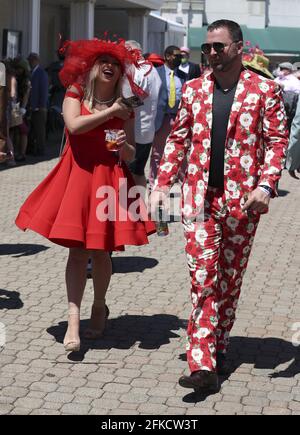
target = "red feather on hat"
x: 80, y: 57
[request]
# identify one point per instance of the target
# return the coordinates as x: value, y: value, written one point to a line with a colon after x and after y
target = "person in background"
x: 56, y: 89
x: 12, y: 90
x: 38, y: 103
x: 192, y: 70
x: 293, y: 154
x: 23, y: 91
x: 291, y: 89
x: 146, y: 77
x: 56, y: 93
x: 3, y: 111
x: 286, y: 79
x: 172, y: 79
x: 232, y: 126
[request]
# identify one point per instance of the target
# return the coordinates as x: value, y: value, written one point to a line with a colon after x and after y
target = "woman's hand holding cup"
x: 115, y: 139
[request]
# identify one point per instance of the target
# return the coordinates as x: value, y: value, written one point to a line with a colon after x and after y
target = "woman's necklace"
x: 103, y: 102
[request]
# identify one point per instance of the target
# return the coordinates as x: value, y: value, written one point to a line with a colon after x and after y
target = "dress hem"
x: 59, y: 235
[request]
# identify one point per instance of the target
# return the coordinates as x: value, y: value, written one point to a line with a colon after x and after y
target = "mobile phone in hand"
x: 132, y: 102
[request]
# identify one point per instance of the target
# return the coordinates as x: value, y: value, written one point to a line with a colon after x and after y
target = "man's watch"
x: 266, y: 188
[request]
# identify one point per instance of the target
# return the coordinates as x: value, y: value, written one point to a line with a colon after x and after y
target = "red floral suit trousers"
x: 217, y: 248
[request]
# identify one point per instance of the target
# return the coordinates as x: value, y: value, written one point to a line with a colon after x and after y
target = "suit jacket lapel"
x: 162, y: 73
x: 240, y: 94
x: 207, y: 95
x: 181, y: 75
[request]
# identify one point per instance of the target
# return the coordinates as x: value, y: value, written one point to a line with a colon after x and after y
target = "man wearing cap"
x: 38, y: 103
x: 286, y: 78
x: 192, y: 70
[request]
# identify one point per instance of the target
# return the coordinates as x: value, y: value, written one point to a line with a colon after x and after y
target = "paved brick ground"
x: 135, y: 367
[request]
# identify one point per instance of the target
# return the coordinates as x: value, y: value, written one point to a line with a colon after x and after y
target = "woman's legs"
x: 101, y: 273
x: 75, y: 282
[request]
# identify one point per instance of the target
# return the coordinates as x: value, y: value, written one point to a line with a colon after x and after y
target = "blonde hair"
x: 91, y: 81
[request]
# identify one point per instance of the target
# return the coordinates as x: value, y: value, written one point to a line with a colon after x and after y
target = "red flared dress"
x: 89, y: 200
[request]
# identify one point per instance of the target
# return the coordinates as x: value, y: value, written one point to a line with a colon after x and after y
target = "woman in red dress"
x: 85, y: 203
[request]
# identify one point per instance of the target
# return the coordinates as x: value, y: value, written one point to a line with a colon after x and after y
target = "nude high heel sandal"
x: 99, y: 316
x: 72, y: 345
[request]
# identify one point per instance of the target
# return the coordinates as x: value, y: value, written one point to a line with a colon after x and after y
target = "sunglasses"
x: 217, y: 46
x: 177, y: 55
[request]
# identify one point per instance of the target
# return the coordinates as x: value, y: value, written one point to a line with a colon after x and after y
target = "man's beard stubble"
x: 224, y: 66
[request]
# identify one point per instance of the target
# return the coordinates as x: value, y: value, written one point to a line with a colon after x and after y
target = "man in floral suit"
x: 231, y: 124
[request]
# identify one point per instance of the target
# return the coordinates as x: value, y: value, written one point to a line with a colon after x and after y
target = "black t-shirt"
x: 222, y: 102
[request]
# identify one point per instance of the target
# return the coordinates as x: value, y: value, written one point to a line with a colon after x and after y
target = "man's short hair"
x: 233, y: 28
x: 169, y: 50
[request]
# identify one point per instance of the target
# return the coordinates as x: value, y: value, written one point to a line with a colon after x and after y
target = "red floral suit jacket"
x: 255, y: 145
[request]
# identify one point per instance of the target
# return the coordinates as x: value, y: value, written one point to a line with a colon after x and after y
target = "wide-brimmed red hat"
x: 80, y: 57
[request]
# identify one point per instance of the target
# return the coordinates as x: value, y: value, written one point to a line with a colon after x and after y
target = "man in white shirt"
x: 172, y: 79
x: 286, y: 78
x: 147, y: 78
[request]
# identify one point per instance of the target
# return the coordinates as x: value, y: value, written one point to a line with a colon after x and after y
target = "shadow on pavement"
x: 151, y: 332
x: 10, y: 300
x: 21, y: 249
x: 282, y: 192
x: 263, y: 353
x: 132, y: 264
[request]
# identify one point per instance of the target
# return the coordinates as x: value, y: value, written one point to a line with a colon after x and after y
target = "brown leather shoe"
x: 202, y: 381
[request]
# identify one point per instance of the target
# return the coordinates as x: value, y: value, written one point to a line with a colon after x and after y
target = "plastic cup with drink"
x: 111, y: 139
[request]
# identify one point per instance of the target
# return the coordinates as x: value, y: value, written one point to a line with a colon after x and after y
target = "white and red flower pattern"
x: 256, y: 136
x: 217, y: 250
x: 218, y: 235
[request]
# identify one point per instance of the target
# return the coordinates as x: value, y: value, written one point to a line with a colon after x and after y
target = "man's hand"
x: 157, y: 198
x: 293, y: 175
x: 257, y: 201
